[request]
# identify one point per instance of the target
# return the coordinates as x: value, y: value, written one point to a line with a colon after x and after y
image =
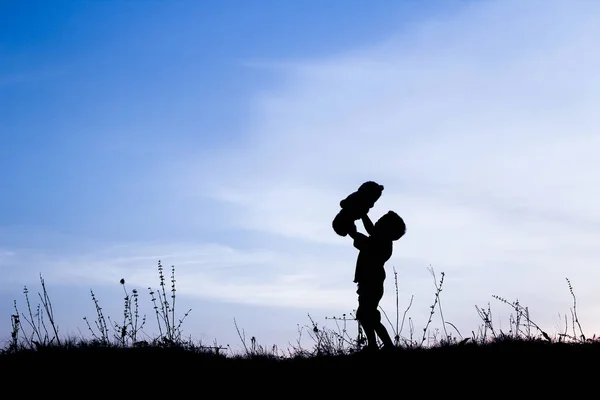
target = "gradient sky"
x: 219, y: 137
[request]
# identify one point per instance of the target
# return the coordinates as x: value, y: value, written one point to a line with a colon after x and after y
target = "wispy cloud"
x: 209, y: 271
x: 482, y: 129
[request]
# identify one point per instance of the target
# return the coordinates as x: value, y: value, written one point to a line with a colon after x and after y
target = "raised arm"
x: 360, y: 240
x: 368, y: 224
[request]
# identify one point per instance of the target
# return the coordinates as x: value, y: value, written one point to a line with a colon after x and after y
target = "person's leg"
x: 365, y: 314
x: 369, y: 331
x: 378, y: 327
x: 383, y: 334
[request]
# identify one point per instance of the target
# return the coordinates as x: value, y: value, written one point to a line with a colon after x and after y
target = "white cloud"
x: 212, y: 271
x: 482, y: 128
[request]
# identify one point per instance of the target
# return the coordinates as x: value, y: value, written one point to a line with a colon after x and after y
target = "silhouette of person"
x: 374, y: 251
x: 355, y: 206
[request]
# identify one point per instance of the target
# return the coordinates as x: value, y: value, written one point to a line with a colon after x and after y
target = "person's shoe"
x: 369, y: 350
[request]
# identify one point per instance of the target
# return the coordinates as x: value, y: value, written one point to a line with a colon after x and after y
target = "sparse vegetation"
x: 36, y: 336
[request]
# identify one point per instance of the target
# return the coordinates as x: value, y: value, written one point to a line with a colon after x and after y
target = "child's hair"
x: 392, y: 224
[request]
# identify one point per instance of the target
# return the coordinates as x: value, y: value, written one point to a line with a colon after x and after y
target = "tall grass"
x: 36, y: 328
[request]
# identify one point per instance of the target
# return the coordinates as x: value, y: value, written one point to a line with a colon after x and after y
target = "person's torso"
x: 371, y: 261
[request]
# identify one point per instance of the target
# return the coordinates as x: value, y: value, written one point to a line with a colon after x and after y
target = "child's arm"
x: 369, y: 227
x: 360, y: 240
x: 352, y: 231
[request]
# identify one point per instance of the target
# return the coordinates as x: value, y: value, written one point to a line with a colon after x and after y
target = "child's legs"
x: 367, y: 314
x: 370, y: 331
x: 383, y: 334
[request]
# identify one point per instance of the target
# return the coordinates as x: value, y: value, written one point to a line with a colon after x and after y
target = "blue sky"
x: 220, y: 137
x: 98, y: 92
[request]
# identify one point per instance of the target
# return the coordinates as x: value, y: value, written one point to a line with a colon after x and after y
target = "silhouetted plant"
x: 39, y: 336
x: 397, y: 330
x: 438, y: 289
x: 343, y: 341
x: 41, y: 332
x: 521, y: 312
x: 486, y: 316
x: 102, y: 337
x: 331, y: 342
x: 574, y: 313
x: 170, y: 332
x: 14, y: 334
x: 127, y: 332
x: 255, y: 350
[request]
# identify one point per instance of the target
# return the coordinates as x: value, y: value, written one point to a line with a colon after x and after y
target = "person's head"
x: 370, y: 190
x: 371, y: 186
x: 390, y: 226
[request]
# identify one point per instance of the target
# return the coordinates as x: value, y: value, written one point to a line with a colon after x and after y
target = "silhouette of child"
x: 355, y: 206
x: 374, y: 251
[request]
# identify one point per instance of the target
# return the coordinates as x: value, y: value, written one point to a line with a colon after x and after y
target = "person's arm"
x: 369, y: 227
x: 360, y: 240
x: 352, y: 231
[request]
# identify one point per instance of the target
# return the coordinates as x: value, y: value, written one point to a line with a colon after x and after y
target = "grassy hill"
x: 115, y: 354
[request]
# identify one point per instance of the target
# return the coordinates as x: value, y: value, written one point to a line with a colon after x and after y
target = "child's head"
x: 363, y: 199
x: 391, y: 226
x: 371, y: 189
